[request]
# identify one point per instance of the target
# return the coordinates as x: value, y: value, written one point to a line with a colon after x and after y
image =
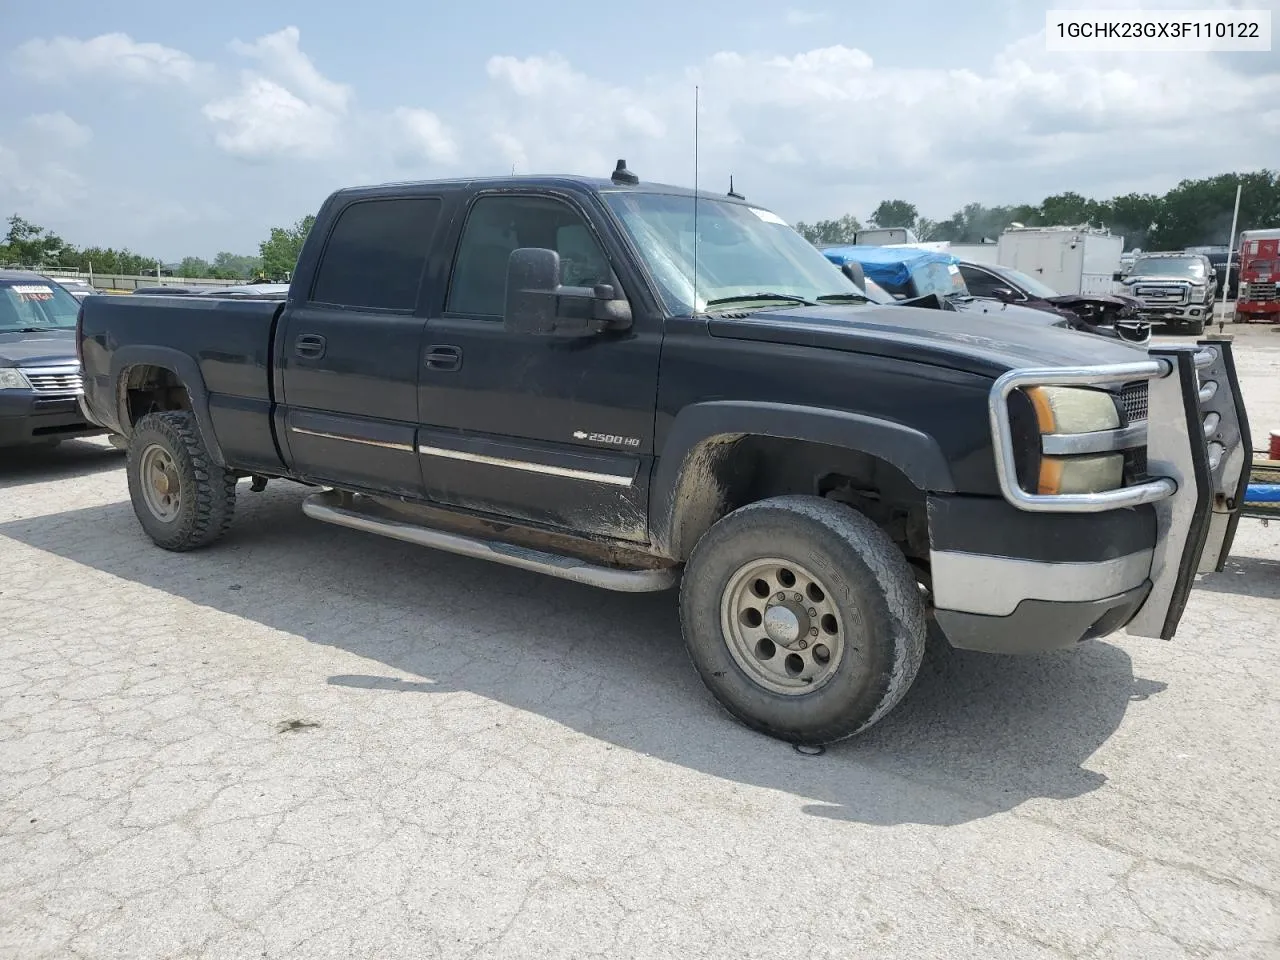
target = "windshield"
x: 38, y: 304
x: 742, y: 251
x: 1168, y: 267
x: 1037, y: 288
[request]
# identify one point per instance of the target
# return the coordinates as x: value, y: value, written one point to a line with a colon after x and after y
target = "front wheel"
x: 181, y: 497
x: 803, y: 618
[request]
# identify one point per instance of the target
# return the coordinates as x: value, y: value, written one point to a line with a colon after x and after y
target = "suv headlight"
x: 1074, y: 410
x: 1198, y: 289
x: 13, y: 379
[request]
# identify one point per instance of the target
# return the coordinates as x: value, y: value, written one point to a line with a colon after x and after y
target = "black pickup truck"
x: 633, y: 385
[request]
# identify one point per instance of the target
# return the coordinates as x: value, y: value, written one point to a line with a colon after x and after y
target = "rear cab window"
x: 376, y: 254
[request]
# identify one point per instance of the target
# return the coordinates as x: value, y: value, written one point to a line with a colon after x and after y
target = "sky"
x: 175, y: 132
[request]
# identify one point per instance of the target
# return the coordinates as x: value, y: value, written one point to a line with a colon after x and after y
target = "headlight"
x: 1073, y: 410
x: 11, y: 379
x: 1197, y: 289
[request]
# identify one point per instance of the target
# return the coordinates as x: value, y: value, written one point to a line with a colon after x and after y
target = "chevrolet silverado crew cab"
x: 636, y: 386
x: 39, y: 371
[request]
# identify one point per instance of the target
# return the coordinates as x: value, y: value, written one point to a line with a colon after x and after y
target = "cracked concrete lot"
x: 311, y: 742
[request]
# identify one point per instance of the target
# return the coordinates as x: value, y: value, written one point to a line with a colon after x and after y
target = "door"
x: 553, y: 430
x: 349, y: 353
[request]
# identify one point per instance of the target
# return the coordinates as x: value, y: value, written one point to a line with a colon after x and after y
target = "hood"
x: 987, y: 344
x: 44, y: 349
x: 1071, y: 300
x: 1011, y: 311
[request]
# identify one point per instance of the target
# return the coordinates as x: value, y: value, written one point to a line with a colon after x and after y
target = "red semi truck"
x: 1259, y: 297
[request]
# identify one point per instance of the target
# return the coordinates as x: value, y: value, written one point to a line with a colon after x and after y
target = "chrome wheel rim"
x: 782, y: 627
x: 161, y: 487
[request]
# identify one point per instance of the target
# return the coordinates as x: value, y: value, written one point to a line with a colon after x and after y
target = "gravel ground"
x: 311, y: 742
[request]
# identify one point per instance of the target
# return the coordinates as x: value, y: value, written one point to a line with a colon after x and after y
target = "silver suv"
x: 1176, y: 290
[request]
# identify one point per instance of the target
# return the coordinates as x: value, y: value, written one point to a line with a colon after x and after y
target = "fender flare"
x: 911, y: 451
x: 182, y: 366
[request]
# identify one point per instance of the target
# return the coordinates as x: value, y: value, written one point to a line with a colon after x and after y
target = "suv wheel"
x: 803, y: 618
x: 182, y: 499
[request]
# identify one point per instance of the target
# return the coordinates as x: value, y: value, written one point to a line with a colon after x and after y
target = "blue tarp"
x: 1262, y: 493
x: 888, y: 266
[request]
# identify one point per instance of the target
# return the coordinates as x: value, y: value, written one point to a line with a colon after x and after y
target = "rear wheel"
x: 181, y: 497
x: 803, y: 618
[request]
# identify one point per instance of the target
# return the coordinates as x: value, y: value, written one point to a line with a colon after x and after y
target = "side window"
x: 376, y: 254
x: 979, y: 282
x: 496, y: 226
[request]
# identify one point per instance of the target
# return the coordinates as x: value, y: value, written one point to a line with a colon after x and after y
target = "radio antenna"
x: 695, y: 199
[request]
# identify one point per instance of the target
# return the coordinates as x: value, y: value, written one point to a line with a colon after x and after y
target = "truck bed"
x: 219, y: 348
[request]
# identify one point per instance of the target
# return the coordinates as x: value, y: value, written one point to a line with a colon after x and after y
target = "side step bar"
x: 329, y: 506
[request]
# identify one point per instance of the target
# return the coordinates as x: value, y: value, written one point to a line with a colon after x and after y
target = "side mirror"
x: 854, y: 272
x: 537, y: 303
x: 1117, y: 277
x: 1005, y: 293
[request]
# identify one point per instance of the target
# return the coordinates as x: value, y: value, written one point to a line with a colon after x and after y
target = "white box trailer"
x: 1068, y: 259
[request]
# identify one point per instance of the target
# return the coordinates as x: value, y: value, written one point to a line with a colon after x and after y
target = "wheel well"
x: 150, y: 389
x: 732, y: 470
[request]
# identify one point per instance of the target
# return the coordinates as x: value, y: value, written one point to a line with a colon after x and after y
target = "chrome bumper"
x: 1197, y: 458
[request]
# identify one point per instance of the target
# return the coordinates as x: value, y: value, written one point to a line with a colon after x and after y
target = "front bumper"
x: 28, y: 418
x: 1257, y: 308
x: 1168, y: 314
x: 1033, y: 572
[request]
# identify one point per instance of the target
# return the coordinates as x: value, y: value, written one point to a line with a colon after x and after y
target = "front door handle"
x: 444, y: 357
x: 309, y: 346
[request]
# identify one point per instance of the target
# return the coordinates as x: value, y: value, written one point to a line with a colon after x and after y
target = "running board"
x: 332, y: 506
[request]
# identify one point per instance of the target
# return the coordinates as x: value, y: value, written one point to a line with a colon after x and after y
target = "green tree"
x: 232, y: 266
x: 28, y: 245
x: 194, y: 267
x: 895, y: 213
x: 280, y: 250
x: 1073, y: 210
x: 839, y: 230
x: 1133, y: 216
x: 1198, y: 212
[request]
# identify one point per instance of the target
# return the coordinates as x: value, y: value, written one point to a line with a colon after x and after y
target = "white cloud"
x: 828, y: 130
x: 545, y: 116
x: 37, y: 188
x: 286, y: 107
x: 802, y: 18
x: 114, y: 55
x: 281, y: 56
x: 422, y: 135
x: 59, y: 130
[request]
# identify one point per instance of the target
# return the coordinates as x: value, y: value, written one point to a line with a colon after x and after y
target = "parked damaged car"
x: 909, y: 276
x: 1089, y: 311
x: 915, y: 276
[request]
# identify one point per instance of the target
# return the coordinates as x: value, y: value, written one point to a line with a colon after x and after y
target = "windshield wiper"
x: 837, y: 297
x: 30, y: 329
x: 788, y: 297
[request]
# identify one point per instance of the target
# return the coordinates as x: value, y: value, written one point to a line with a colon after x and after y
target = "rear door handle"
x: 309, y: 345
x: 444, y: 357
